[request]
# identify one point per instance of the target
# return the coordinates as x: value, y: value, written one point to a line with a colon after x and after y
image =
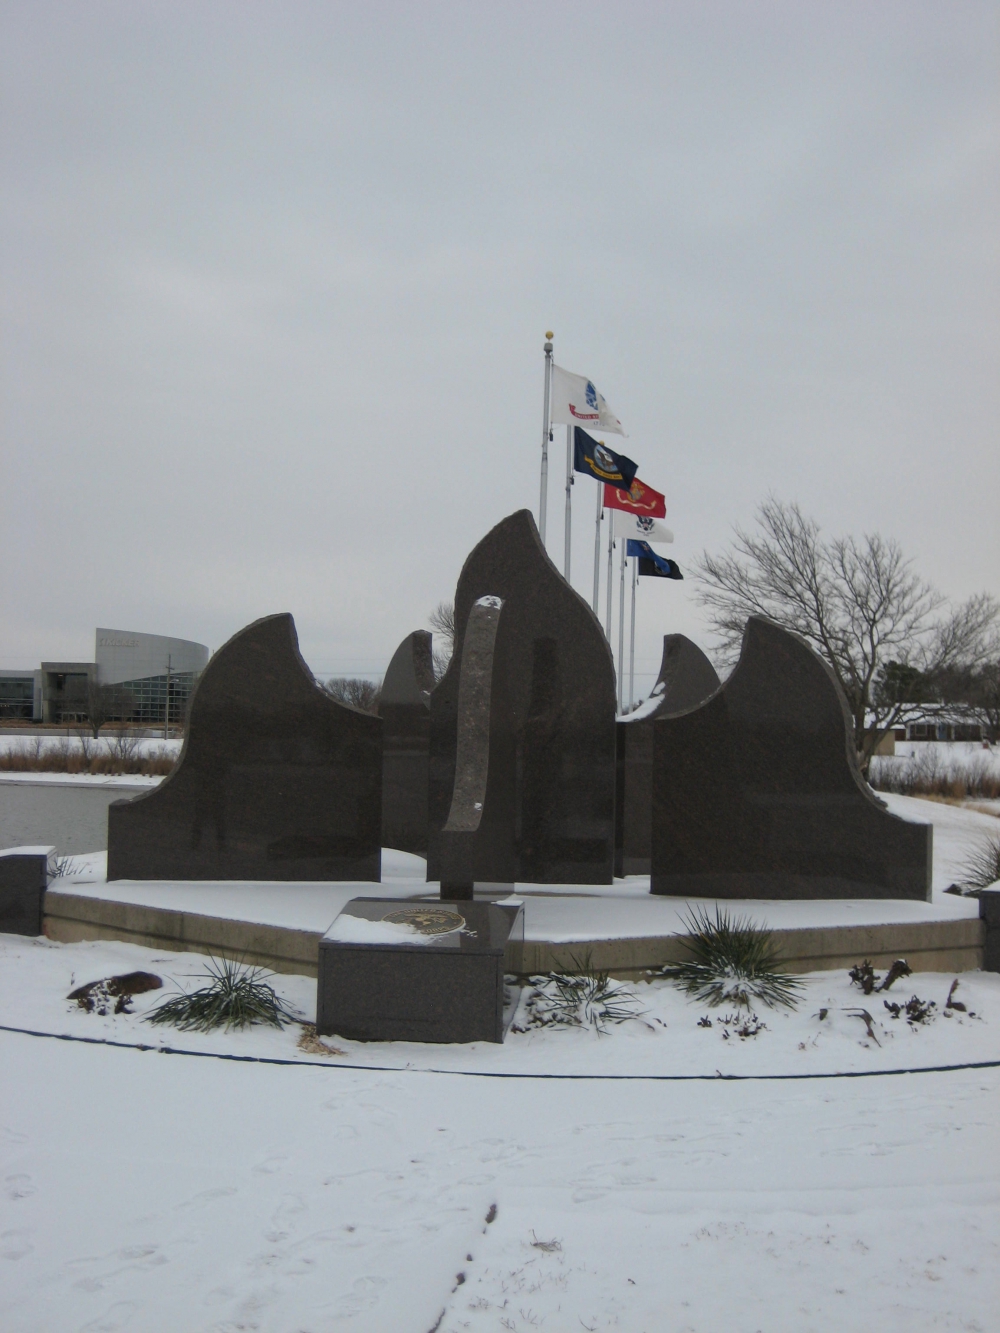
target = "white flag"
x: 639, y: 528
x: 574, y: 400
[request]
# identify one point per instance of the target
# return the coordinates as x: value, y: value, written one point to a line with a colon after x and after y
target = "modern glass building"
x: 141, y: 678
x: 20, y: 695
x: 153, y: 675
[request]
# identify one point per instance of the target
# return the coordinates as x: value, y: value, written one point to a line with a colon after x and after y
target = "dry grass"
x: 117, y: 756
x: 933, y: 776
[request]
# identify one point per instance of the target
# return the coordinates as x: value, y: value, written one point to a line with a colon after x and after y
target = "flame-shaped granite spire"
x: 548, y: 814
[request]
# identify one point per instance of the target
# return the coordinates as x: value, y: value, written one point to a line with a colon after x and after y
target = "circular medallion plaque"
x: 427, y: 920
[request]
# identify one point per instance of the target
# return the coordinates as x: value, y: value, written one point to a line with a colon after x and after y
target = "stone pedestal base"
x: 434, y: 972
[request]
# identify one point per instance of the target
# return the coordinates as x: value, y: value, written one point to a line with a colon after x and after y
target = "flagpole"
x: 569, y: 499
x: 543, y: 498
x: 621, y: 627
x: 597, y: 547
x: 631, y: 650
x: 611, y: 547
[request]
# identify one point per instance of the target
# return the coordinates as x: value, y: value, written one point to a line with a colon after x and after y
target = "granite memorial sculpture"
x: 24, y: 877
x: 397, y: 971
x: 757, y: 793
x: 276, y: 781
x: 686, y: 679
x: 989, y: 914
x: 546, y: 759
x: 405, y: 710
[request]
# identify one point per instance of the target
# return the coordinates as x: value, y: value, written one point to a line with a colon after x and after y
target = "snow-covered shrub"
x: 236, y: 997
x: 582, y: 999
x: 731, y: 961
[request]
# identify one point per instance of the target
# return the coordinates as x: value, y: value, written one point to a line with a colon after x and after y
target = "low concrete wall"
x: 929, y: 946
x: 70, y: 917
x: 70, y: 816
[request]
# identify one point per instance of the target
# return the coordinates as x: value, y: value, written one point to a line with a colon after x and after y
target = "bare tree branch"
x: 857, y: 602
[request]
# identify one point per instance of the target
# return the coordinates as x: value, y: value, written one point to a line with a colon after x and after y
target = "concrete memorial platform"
x: 276, y: 780
x: 391, y: 971
x: 757, y: 793
x: 546, y: 754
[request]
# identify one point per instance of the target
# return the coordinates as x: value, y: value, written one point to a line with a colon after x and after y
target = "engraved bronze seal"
x: 427, y: 920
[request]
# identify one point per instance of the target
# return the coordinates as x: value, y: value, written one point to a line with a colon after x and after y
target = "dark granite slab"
x: 686, y: 679
x: 434, y: 972
x: 405, y: 710
x: 757, y: 793
x: 24, y: 877
x: 548, y: 812
x: 276, y: 781
x: 989, y: 912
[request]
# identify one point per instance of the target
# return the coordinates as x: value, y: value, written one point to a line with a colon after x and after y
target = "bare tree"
x: 857, y: 602
x: 361, y: 695
x: 107, y: 703
x: 442, y: 622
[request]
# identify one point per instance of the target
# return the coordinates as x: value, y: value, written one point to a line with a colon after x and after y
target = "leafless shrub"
x: 125, y: 746
x: 355, y: 692
x: 60, y: 758
x: 931, y: 774
x: 442, y: 622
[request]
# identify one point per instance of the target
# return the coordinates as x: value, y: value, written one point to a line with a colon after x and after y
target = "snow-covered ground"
x: 167, y: 1192
x: 951, y: 753
x: 668, y: 1175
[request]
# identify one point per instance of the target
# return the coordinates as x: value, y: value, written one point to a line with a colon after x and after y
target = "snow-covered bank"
x: 37, y: 975
x: 159, y: 1194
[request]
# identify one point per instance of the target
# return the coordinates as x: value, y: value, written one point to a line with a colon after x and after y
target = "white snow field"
x: 665, y: 1176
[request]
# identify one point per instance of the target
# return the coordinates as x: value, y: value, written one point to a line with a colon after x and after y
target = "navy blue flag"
x: 651, y: 563
x: 597, y: 460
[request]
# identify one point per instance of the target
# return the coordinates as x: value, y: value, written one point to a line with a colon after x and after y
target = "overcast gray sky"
x: 276, y: 279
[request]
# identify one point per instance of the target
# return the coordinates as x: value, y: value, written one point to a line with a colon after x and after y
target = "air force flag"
x: 651, y: 563
x: 597, y: 460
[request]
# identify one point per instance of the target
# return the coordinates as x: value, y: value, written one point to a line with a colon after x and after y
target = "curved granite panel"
x: 686, y: 679
x: 276, y: 780
x: 548, y: 816
x: 405, y: 710
x: 757, y: 793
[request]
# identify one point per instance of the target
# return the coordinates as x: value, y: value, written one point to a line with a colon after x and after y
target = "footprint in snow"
x: 18, y: 1187
x: 118, y: 1317
x: 15, y: 1244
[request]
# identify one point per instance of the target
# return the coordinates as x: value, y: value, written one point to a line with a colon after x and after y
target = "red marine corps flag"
x: 638, y: 499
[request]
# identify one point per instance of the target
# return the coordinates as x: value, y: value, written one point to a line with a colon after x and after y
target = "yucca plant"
x: 580, y: 999
x: 237, y: 996
x: 982, y: 866
x: 731, y: 961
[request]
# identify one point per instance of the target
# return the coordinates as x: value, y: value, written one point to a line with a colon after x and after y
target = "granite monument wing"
x: 276, y: 781
x: 757, y: 793
x: 405, y: 710
x: 686, y: 679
